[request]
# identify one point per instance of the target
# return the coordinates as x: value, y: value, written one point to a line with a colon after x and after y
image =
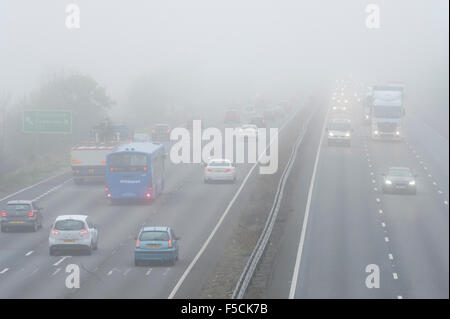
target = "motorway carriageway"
x: 188, y: 205
x: 349, y: 223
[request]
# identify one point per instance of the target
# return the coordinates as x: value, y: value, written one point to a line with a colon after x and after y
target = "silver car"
x: 339, y: 132
x: 399, y: 180
x: 219, y: 170
x: 73, y: 232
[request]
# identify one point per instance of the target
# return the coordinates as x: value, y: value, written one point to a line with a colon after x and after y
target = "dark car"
x: 258, y: 121
x: 232, y: 116
x: 21, y: 214
x: 161, y: 132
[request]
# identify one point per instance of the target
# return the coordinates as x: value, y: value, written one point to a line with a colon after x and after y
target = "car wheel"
x: 89, y: 250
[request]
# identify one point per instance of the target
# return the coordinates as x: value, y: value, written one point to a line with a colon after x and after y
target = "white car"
x: 73, y: 232
x: 248, y: 130
x: 219, y: 170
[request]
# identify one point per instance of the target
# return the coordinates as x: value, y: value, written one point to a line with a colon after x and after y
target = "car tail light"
x: 150, y: 188
x: 229, y: 170
x: 106, y: 189
x: 153, y: 131
x: 208, y: 170
x: 138, y: 243
x: 170, y: 243
x: 31, y: 214
x: 111, y: 169
x: 4, y: 214
x: 145, y: 168
x: 55, y: 232
x: 84, y: 232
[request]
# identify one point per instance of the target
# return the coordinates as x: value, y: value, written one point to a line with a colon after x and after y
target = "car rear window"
x: 219, y: 164
x: 154, y: 235
x: 69, y: 224
x: 18, y: 208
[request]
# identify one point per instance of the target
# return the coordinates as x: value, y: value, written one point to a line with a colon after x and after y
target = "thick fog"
x: 220, y: 52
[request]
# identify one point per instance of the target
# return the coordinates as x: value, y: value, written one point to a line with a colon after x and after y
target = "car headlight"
x: 397, y: 133
x: 388, y: 182
x: 367, y: 117
x: 412, y: 183
x: 344, y: 108
x: 330, y: 134
x: 347, y: 134
x: 375, y: 132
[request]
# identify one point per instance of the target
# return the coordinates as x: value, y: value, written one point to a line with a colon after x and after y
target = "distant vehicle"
x: 21, y: 214
x: 156, y: 244
x: 232, y: 116
x: 88, y: 159
x: 258, y: 120
x: 161, y: 132
x: 399, y: 180
x: 73, y: 232
x: 249, y: 111
x: 219, y: 170
x: 387, y: 112
x: 135, y: 171
x: 339, y: 132
x: 141, y: 138
x: 340, y: 106
x: 248, y: 131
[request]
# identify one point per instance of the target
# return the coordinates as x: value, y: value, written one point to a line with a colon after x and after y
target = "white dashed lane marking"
x: 395, y: 275
x: 148, y: 272
x: 391, y: 257
x: 29, y: 253
x: 56, y: 271
x: 4, y: 270
x: 61, y: 260
x: 386, y: 239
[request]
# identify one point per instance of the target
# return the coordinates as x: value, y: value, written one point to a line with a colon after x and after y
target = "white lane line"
x: 148, y: 272
x: 109, y: 272
x: 371, y: 173
x: 34, y: 271
x: 29, y: 253
x: 370, y: 165
x: 375, y: 189
x: 380, y: 211
x: 126, y: 271
x: 425, y: 168
x: 51, y: 190
x: 4, y: 270
x: 430, y: 176
x: 373, y: 181
x: 56, y: 271
x: 439, y: 192
x: 391, y: 257
x: 434, y: 183
x: 29, y: 187
x: 383, y: 224
x: 395, y: 275
x: 386, y: 239
x: 166, y: 272
x: 225, y: 213
x: 378, y: 200
x: 446, y: 202
x: 298, y: 260
x: 61, y: 260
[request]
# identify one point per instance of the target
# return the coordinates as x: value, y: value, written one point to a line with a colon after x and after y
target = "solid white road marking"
x: 439, y: 192
x: 222, y: 218
x: 375, y: 189
x: 386, y: 239
x: 56, y: 271
x: 126, y: 271
x: 380, y: 211
x: 298, y: 260
x: 148, y: 272
x: 29, y: 253
x: 391, y: 257
x: 446, y: 202
x: 394, y: 274
x: 383, y: 224
x: 4, y: 270
x: 377, y: 199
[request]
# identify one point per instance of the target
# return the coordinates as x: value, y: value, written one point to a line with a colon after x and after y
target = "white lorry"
x: 88, y: 160
x: 387, y: 112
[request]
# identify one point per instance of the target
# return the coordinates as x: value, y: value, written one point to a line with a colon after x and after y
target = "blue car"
x: 156, y: 244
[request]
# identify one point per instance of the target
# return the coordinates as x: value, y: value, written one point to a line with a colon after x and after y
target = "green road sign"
x: 47, y: 121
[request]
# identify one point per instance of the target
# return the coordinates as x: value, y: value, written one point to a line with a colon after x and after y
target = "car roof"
x: 399, y: 168
x: 19, y: 201
x: 340, y: 121
x: 74, y: 217
x: 219, y: 160
x: 155, y: 228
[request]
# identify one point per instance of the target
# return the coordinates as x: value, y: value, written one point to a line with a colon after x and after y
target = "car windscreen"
x: 69, y: 224
x: 18, y: 209
x: 154, y: 236
x: 127, y: 162
x: 400, y: 172
x: 339, y: 126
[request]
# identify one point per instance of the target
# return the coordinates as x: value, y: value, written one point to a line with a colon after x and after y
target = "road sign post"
x: 47, y: 121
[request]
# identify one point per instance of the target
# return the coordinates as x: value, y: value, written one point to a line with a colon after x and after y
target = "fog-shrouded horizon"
x: 204, y: 51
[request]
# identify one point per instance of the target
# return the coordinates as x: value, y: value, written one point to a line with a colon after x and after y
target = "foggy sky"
x: 237, y: 46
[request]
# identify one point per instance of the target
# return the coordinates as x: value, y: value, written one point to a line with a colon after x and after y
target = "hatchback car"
x: 399, y: 180
x: 21, y: 214
x: 156, y: 244
x: 73, y: 232
x: 219, y: 170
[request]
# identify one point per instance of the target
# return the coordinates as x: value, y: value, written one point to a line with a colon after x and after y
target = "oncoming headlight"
x: 412, y: 183
x: 388, y: 182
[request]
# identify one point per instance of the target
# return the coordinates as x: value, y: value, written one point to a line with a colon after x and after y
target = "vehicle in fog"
x: 161, y: 132
x: 387, y: 112
x: 339, y: 132
x: 232, y: 116
x: 220, y: 169
x: 340, y: 106
x: 156, y: 244
x: 88, y: 159
x: 258, y: 120
x: 73, y: 232
x: 21, y: 214
x: 135, y: 171
x: 399, y: 180
x: 142, y: 138
x: 248, y: 132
